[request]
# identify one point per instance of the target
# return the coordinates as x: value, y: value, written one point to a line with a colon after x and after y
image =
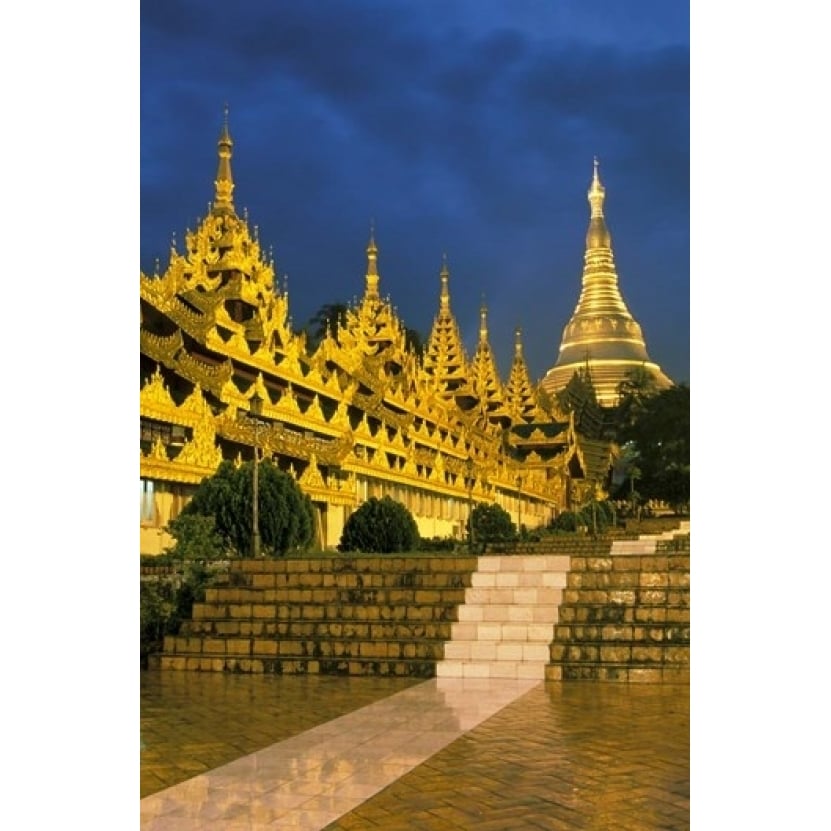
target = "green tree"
x: 414, y: 341
x: 328, y: 318
x: 660, y: 433
x: 381, y: 526
x: 286, y: 516
x: 637, y: 387
x: 491, y: 523
x: 195, y: 538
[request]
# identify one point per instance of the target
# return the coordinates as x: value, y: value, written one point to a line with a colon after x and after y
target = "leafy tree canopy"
x: 492, y: 523
x: 286, y: 517
x: 659, y: 431
x: 328, y: 318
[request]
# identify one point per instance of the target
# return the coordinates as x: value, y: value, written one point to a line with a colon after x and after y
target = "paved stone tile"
x: 583, y: 755
x: 193, y: 722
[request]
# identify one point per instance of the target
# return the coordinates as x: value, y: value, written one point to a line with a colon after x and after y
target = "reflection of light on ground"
x: 339, y: 763
x: 577, y: 755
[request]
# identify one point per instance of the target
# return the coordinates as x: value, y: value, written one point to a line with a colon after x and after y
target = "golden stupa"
x: 602, y: 336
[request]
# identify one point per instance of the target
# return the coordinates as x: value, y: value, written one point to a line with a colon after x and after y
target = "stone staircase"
x: 626, y: 616
x: 331, y: 615
x: 507, y: 621
x: 575, y: 609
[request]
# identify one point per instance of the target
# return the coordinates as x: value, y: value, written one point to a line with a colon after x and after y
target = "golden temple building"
x: 602, y: 335
x: 360, y: 415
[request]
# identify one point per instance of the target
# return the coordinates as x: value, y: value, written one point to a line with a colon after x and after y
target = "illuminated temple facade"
x: 602, y: 336
x: 358, y: 416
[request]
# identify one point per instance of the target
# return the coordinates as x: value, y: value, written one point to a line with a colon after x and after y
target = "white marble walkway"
x: 310, y: 780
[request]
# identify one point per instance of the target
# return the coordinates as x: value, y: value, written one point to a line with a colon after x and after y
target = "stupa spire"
x: 598, y: 234
x: 224, y: 182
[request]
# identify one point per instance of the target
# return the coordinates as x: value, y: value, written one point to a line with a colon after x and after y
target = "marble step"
x: 504, y: 650
x: 517, y: 631
x: 524, y: 669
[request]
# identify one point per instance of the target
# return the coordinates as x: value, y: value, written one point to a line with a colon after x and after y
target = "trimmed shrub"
x: 491, y: 523
x: 380, y: 526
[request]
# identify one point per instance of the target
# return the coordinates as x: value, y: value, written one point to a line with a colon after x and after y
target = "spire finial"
x: 483, y: 320
x: 444, y: 276
x: 518, y: 342
x: 372, y: 277
x: 224, y: 182
x: 597, y: 193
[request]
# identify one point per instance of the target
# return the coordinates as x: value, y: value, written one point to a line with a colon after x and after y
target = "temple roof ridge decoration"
x: 601, y: 332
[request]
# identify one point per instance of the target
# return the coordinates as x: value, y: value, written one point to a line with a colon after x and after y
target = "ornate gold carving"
x: 311, y: 476
x: 155, y: 392
x: 201, y: 450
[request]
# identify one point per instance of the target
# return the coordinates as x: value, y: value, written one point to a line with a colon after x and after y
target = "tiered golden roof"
x: 358, y: 416
x: 485, y: 382
x: 445, y: 361
x: 601, y: 333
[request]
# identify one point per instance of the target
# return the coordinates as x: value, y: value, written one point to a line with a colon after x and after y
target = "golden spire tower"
x: 445, y: 360
x: 520, y: 396
x: 484, y: 375
x: 601, y: 333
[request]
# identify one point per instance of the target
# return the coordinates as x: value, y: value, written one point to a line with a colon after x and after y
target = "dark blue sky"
x: 464, y: 126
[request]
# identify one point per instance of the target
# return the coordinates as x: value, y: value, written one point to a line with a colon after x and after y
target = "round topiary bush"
x: 492, y: 523
x: 380, y: 526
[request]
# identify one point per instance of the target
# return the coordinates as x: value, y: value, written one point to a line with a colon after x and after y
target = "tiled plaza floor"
x: 423, y: 755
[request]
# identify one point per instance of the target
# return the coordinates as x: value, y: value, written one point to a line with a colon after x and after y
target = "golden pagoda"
x: 602, y: 336
x: 359, y: 416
